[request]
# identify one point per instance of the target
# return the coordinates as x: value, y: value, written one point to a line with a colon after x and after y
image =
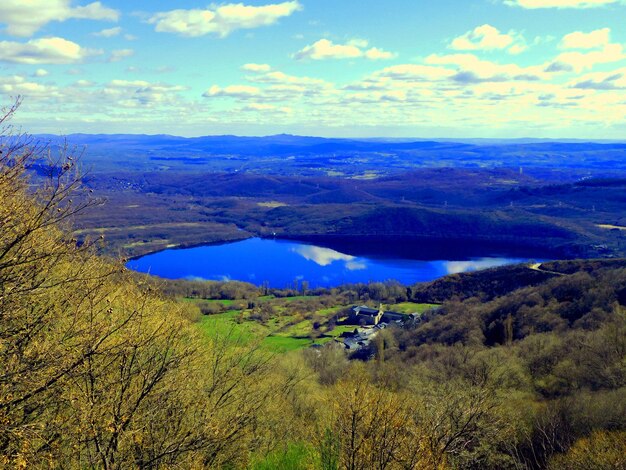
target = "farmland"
x: 281, y: 325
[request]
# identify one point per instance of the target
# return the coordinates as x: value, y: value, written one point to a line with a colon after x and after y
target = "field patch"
x: 411, y: 307
x: 281, y: 325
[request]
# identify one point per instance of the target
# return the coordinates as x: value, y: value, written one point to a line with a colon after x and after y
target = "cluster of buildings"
x: 369, y: 322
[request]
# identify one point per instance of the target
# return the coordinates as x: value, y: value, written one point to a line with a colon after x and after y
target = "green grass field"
x: 285, y: 331
x: 410, y: 307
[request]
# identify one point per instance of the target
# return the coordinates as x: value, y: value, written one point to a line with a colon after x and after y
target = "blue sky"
x: 354, y: 68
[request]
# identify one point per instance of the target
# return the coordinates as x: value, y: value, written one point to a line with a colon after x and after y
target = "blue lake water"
x: 281, y: 263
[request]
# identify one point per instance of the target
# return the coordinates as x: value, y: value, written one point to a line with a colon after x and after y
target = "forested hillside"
x: 99, y: 369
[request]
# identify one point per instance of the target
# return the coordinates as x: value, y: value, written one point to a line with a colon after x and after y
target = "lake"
x: 282, y: 263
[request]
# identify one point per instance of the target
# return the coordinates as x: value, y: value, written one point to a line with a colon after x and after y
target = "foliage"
x: 97, y: 369
x: 100, y: 369
x: 601, y: 450
x: 294, y: 457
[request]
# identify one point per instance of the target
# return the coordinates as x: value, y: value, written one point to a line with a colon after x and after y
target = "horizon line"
x: 384, y: 138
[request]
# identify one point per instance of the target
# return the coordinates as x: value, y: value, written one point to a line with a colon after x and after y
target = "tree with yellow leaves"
x: 96, y: 369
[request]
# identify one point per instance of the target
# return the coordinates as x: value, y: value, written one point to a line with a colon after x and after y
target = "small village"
x: 369, y: 322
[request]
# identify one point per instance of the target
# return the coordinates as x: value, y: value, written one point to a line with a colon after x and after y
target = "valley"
x: 313, y: 235
x: 503, y: 356
x: 563, y: 211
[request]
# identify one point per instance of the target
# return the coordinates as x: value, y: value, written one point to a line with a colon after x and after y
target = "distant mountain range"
x: 289, y: 154
x: 301, y: 141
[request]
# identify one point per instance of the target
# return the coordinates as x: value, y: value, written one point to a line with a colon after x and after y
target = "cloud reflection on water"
x: 326, y: 256
x: 455, y: 267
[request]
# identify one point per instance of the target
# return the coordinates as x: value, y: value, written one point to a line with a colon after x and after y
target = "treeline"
x: 488, y: 284
x: 484, y: 285
x: 388, y: 291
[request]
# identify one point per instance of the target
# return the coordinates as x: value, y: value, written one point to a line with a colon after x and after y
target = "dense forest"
x: 102, y: 368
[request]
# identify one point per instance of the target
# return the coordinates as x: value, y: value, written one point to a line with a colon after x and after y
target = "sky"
x: 341, y: 68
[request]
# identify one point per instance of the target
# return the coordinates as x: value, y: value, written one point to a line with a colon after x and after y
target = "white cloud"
x: 378, y: 54
x: 120, y: 54
x: 281, y: 78
x: 140, y: 93
x: 43, y: 51
x: 144, y: 85
x: 415, y: 72
x: 26, y: 17
x: 578, y: 61
x: 326, y: 49
x: 581, y: 40
x: 234, y: 91
x: 221, y: 20
x: 471, y: 69
x: 263, y: 107
x: 256, y: 68
x: 359, y: 42
x: 109, y: 32
x: 533, y: 4
x: 259, y: 107
x: 272, y: 87
x: 40, y: 73
x: 518, y: 48
x: 18, y: 85
x: 489, y: 38
x: 613, y: 80
x: 376, y: 97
